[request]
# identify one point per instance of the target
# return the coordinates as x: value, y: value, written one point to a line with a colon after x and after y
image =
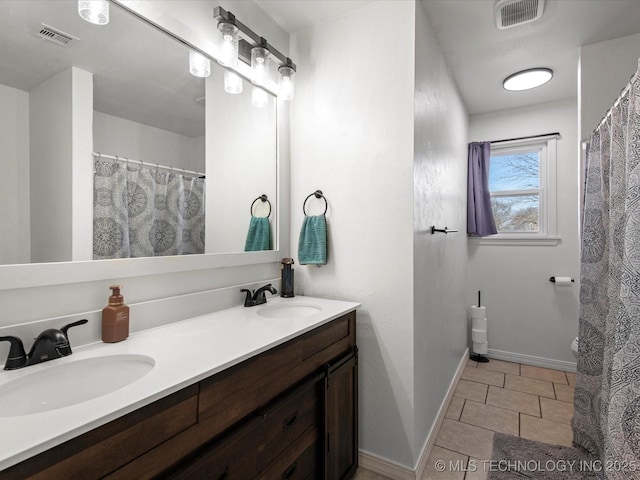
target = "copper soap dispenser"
x: 115, y: 317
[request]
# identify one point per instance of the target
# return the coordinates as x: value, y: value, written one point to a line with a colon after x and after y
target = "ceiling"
x: 139, y: 73
x: 480, y: 56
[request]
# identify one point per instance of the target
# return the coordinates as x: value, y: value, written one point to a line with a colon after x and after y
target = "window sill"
x: 529, y: 240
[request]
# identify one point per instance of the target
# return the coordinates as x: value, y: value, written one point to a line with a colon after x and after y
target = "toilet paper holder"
x: 553, y: 280
x: 442, y: 230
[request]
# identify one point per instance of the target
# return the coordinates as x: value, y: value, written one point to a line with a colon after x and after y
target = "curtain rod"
x: 557, y: 134
x: 147, y: 164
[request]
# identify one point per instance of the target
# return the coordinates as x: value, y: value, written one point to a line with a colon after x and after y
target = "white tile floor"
x: 531, y: 402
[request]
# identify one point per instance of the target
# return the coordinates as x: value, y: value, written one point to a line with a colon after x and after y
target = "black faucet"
x: 50, y: 344
x: 257, y: 297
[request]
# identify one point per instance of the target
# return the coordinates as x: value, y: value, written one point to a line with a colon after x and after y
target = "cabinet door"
x: 234, y: 457
x: 341, y: 418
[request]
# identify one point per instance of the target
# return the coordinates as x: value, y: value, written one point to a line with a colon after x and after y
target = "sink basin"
x: 71, y: 383
x: 289, y: 311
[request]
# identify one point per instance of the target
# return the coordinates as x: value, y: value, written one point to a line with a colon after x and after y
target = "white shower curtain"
x: 141, y: 211
x: 607, y: 395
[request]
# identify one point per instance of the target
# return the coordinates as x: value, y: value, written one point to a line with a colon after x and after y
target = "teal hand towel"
x: 312, y: 245
x: 259, y: 235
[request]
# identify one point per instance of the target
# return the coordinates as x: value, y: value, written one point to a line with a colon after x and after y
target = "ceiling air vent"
x: 510, y: 13
x: 55, y: 36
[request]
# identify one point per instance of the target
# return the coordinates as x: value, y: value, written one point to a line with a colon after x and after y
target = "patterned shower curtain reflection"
x: 607, y: 395
x: 141, y: 211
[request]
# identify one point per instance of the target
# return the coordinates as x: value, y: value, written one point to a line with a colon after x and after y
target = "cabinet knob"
x: 288, y: 422
x: 224, y: 474
x: 288, y: 473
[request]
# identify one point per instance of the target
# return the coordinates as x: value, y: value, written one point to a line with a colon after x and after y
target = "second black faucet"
x: 258, y: 296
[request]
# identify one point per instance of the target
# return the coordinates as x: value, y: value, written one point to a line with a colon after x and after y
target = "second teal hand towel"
x: 259, y: 235
x: 312, y: 245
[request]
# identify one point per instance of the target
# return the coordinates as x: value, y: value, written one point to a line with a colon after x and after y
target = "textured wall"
x: 440, y: 261
x: 362, y: 106
x: 352, y: 137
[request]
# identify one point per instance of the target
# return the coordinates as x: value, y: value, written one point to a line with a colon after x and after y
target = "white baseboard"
x: 394, y: 471
x: 384, y: 467
x: 532, y: 360
x: 435, y: 428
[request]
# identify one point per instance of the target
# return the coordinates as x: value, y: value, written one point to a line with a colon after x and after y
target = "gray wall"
x: 605, y: 69
x: 440, y: 261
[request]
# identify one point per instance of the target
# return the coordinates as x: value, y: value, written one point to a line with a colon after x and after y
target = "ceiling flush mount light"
x: 199, y: 65
x: 94, y: 11
x: 285, y: 82
x: 229, y: 51
x: 527, y: 79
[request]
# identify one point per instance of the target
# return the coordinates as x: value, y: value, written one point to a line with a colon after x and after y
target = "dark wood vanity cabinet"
x: 341, y: 418
x: 288, y: 413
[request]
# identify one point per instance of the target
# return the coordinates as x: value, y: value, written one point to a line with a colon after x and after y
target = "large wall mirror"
x: 81, y: 101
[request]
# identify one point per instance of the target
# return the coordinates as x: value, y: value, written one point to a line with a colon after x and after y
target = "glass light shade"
x: 259, y: 65
x: 199, y: 65
x: 285, y: 82
x: 527, y: 79
x: 259, y: 98
x: 94, y: 11
x: 229, y: 51
x: 232, y: 82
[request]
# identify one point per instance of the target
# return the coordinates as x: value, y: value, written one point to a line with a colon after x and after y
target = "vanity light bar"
x: 223, y: 15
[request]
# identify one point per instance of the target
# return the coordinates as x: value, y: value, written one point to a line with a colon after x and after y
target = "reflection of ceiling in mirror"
x: 140, y: 73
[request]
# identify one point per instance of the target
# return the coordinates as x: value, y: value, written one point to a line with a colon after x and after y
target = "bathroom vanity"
x: 276, y: 397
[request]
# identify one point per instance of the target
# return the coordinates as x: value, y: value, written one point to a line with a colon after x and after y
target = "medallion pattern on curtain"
x: 141, y: 211
x: 607, y: 395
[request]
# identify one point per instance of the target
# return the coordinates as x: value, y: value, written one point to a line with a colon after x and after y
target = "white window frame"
x: 547, y: 226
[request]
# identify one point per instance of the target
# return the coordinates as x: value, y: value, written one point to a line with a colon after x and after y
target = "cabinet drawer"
x: 233, y: 394
x: 299, y: 462
x: 235, y: 457
x: 325, y: 337
x: 286, y: 421
x: 103, y: 450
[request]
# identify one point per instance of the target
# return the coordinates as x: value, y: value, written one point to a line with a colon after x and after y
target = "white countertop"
x: 184, y: 353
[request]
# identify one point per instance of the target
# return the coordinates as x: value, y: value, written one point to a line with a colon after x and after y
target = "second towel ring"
x: 318, y: 194
x: 264, y: 198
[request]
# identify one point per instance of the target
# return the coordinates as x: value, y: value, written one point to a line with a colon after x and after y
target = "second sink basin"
x: 71, y: 383
x: 289, y: 311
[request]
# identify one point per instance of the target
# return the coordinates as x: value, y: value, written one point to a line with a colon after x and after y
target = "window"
x: 522, y: 186
x: 514, y: 182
